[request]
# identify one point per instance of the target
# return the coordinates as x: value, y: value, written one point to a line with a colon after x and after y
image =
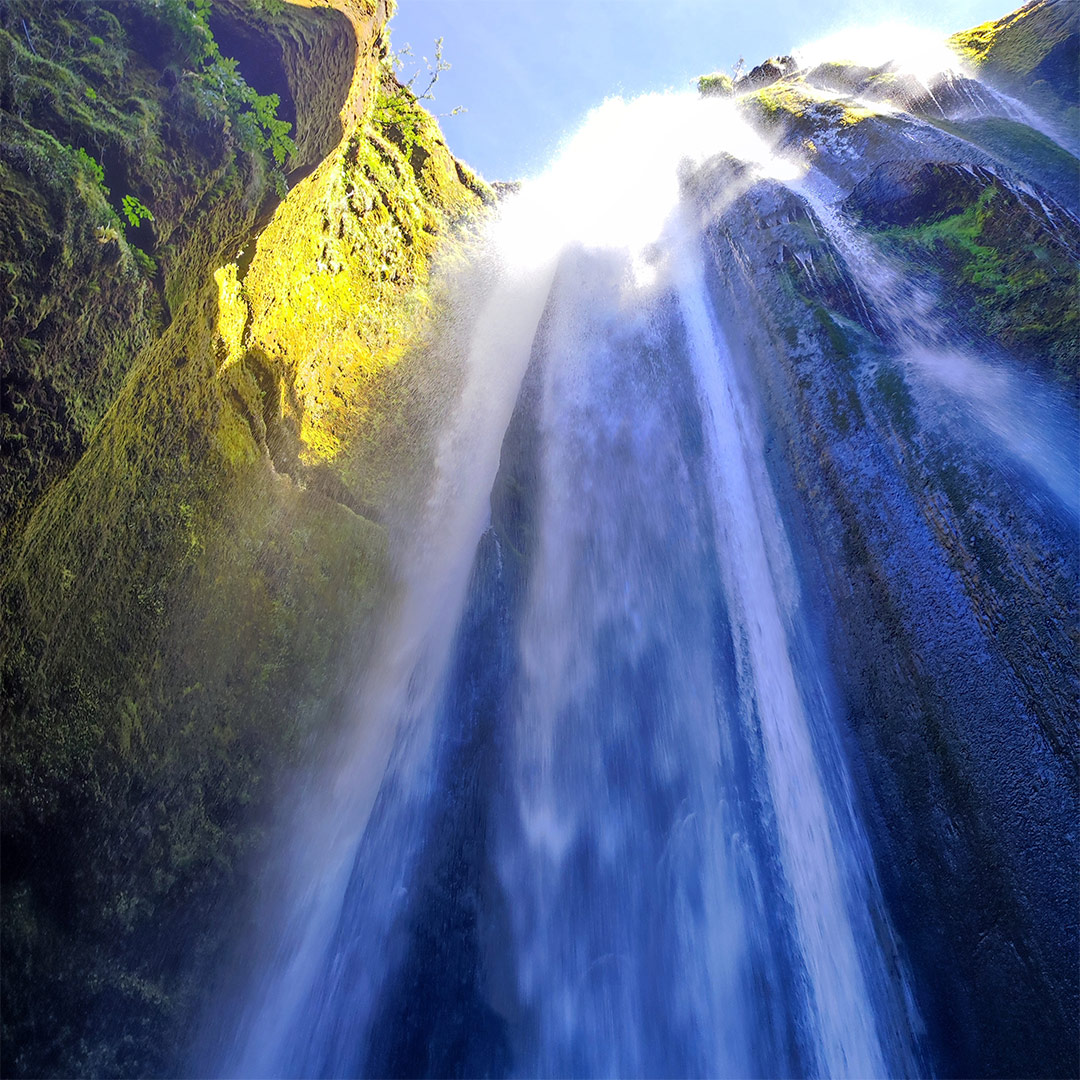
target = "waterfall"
x: 593, y: 814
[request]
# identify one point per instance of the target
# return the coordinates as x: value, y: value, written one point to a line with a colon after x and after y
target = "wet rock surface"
x: 938, y: 570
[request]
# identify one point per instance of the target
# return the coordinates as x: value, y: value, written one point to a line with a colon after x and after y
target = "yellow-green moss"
x: 718, y: 84
x: 798, y: 108
x: 187, y: 593
x: 1033, y: 53
x: 338, y: 286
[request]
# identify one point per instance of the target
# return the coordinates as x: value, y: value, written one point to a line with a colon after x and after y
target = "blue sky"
x: 527, y: 71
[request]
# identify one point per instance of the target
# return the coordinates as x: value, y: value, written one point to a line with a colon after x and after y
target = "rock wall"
x: 950, y: 589
x: 1033, y: 53
x: 189, y: 563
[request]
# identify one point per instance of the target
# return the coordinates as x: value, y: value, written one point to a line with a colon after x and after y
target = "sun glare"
x: 922, y: 54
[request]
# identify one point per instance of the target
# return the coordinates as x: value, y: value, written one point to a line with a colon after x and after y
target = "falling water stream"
x: 593, y: 816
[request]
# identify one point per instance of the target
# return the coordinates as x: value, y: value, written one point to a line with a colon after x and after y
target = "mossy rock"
x: 1005, y: 252
x: 189, y: 582
x: 718, y: 84
x: 1034, y: 54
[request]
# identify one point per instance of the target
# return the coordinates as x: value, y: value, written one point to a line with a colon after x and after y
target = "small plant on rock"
x: 135, y: 211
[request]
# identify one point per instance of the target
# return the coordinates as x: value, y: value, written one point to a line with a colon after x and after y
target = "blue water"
x: 593, y: 814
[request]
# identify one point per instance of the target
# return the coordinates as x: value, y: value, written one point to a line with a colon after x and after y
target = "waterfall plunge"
x: 668, y: 829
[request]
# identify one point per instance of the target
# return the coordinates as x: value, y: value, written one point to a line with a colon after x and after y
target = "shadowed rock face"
x: 1005, y: 253
x: 910, y: 193
x: 181, y: 587
x: 955, y: 701
x: 957, y: 661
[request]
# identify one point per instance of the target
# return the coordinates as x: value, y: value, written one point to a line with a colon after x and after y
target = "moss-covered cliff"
x: 1034, y: 54
x: 188, y: 558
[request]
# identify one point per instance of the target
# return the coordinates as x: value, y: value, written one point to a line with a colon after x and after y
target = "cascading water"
x: 594, y: 816
x: 1029, y: 422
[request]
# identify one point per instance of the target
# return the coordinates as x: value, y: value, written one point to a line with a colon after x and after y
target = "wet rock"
x: 905, y: 192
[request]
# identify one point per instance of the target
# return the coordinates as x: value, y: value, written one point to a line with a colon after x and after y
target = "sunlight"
x: 909, y: 50
x: 617, y: 181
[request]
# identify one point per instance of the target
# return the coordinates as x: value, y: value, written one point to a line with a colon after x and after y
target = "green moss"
x: 180, y: 615
x: 84, y: 289
x: 177, y: 612
x: 1017, y: 42
x: 718, y: 84
x: 77, y: 305
x: 1023, y: 282
x: 799, y: 111
x: 183, y: 615
x: 338, y: 288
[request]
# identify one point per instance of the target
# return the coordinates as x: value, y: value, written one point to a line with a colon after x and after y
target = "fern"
x: 135, y: 211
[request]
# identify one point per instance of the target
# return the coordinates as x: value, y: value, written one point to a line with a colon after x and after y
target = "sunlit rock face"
x: 184, y: 570
x: 698, y: 527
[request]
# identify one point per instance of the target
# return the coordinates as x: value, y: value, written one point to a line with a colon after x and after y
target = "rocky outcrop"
x: 766, y: 73
x: 1033, y: 53
x: 935, y: 581
x: 188, y: 563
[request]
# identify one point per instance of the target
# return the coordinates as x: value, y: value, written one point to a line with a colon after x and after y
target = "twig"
x: 26, y: 31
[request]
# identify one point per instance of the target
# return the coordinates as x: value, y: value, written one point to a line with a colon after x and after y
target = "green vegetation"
x: 338, y: 289
x: 253, y: 115
x: 397, y: 110
x: 180, y: 614
x: 135, y: 212
x: 718, y: 84
x: 795, y: 108
x: 1020, y: 274
x: 80, y: 300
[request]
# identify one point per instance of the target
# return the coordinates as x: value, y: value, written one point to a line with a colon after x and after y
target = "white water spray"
x: 1030, y: 421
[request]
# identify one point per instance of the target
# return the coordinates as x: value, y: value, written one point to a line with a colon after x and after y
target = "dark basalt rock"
x: 766, y: 73
x: 905, y: 192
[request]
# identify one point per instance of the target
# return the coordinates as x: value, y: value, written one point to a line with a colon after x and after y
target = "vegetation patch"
x: 1002, y: 252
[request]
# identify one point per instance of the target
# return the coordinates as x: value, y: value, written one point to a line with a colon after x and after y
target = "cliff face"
x: 1034, y: 54
x: 952, y: 594
x: 185, y: 567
